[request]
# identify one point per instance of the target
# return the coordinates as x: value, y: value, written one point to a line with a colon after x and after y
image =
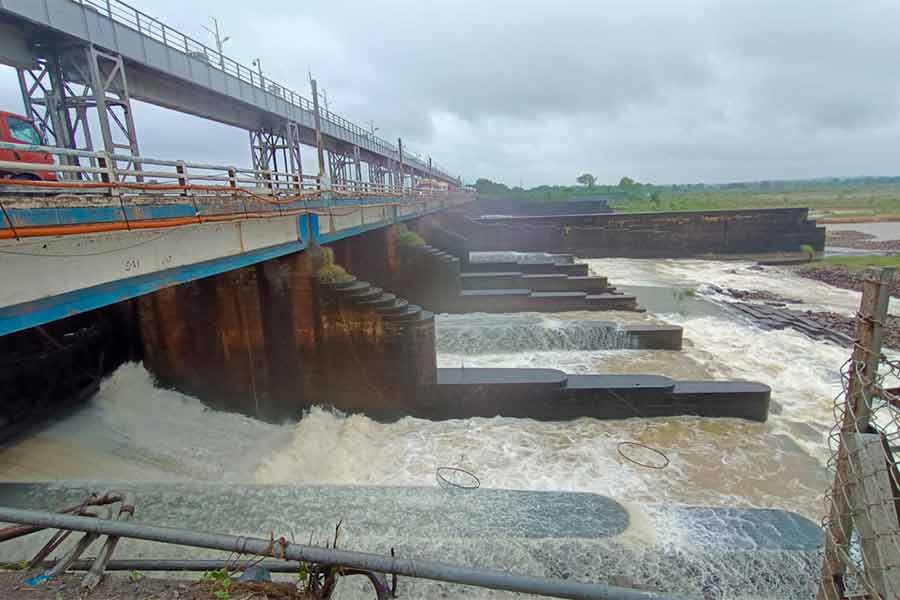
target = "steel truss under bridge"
x: 277, y: 151
x: 70, y: 87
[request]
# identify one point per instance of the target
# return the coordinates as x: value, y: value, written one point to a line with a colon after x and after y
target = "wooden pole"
x: 857, y: 416
x: 320, y: 149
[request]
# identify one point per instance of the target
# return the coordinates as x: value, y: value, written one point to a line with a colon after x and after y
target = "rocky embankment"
x: 842, y: 277
x: 847, y: 326
x: 771, y: 313
x: 860, y: 241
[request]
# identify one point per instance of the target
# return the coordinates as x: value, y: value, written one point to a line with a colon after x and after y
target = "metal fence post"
x: 856, y: 419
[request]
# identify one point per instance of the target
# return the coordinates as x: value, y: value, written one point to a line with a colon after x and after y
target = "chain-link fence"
x: 862, y: 529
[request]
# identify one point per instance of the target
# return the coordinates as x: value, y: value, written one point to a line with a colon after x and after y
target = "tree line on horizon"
x: 628, y: 188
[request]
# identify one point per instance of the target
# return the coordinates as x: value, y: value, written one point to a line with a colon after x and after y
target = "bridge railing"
x: 95, y: 191
x: 127, y: 15
x: 82, y: 171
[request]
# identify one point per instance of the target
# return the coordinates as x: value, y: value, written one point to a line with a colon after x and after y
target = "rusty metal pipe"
x: 423, y: 569
x: 194, y: 565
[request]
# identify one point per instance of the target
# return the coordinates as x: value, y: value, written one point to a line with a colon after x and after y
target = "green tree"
x: 587, y: 180
x: 626, y: 182
x: 486, y: 186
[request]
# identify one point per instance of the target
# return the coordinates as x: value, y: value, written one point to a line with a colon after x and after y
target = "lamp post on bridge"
x: 220, y: 41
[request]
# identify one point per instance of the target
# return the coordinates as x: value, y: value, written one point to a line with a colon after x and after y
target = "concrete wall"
x: 639, y: 235
x: 572, y: 206
x: 269, y: 341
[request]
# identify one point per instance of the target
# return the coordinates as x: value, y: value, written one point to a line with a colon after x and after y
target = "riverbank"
x: 860, y: 240
x: 834, y: 219
x: 848, y: 272
x: 765, y: 306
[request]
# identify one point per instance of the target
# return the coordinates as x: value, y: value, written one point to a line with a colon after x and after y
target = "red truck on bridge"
x: 17, y: 129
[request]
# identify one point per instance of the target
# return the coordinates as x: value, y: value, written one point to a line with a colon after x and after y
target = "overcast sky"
x: 539, y: 92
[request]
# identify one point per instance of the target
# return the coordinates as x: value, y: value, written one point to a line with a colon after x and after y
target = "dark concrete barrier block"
x: 645, y: 235
x: 548, y: 394
x: 655, y: 337
x: 740, y: 399
x: 527, y: 268
x: 523, y: 300
x: 589, y: 283
x: 492, y: 281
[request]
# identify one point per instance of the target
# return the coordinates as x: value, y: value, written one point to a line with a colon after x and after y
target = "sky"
x: 531, y: 92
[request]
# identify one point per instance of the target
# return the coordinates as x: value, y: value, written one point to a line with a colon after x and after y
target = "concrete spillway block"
x: 491, y: 280
x: 525, y: 300
x: 528, y: 268
x: 550, y: 395
x: 655, y: 337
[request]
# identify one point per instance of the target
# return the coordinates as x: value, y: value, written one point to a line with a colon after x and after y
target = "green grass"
x: 863, y: 201
x: 856, y: 263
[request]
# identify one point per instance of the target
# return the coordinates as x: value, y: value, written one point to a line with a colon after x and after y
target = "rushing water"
x: 133, y: 430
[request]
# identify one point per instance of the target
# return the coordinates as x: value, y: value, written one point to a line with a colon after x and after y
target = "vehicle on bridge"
x: 17, y: 129
x: 433, y: 185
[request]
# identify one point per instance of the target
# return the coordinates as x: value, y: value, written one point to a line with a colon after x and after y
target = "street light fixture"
x: 220, y: 41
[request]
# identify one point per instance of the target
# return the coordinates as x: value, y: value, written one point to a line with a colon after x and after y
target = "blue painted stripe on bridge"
x: 70, y: 215
x: 38, y: 312
x: 45, y: 310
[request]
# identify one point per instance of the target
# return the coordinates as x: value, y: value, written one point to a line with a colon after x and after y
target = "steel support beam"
x: 277, y: 151
x: 338, y: 166
x: 70, y: 85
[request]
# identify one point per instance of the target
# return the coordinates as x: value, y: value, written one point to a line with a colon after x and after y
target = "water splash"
x: 474, y: 334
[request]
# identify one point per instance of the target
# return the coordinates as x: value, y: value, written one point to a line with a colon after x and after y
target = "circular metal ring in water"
x: 659, y: 453
x: 471, y: 482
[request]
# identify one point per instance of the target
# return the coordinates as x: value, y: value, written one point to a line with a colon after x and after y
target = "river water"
x: 134, y: 430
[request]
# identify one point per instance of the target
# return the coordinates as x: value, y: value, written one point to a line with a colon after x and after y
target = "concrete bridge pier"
x: 269, y: 341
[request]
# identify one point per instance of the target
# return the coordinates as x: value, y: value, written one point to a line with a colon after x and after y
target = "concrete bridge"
x: 124, y: 224
x: 213, y: 274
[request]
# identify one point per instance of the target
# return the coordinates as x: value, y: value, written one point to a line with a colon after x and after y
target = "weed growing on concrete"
x: 408, y: 238
x: 331, y: 272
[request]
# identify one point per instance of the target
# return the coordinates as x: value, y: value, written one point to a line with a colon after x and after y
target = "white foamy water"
x: 684, y: 273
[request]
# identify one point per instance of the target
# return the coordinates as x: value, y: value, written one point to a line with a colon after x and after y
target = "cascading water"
x: 133, y: 430
x: 474, y: 334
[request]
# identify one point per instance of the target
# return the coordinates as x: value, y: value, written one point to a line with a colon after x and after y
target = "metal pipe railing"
x: 422, y: 569
x: 116, y: 169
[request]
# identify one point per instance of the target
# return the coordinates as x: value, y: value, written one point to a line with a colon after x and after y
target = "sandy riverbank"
x: 835, y: 219
x: 860, y: 240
